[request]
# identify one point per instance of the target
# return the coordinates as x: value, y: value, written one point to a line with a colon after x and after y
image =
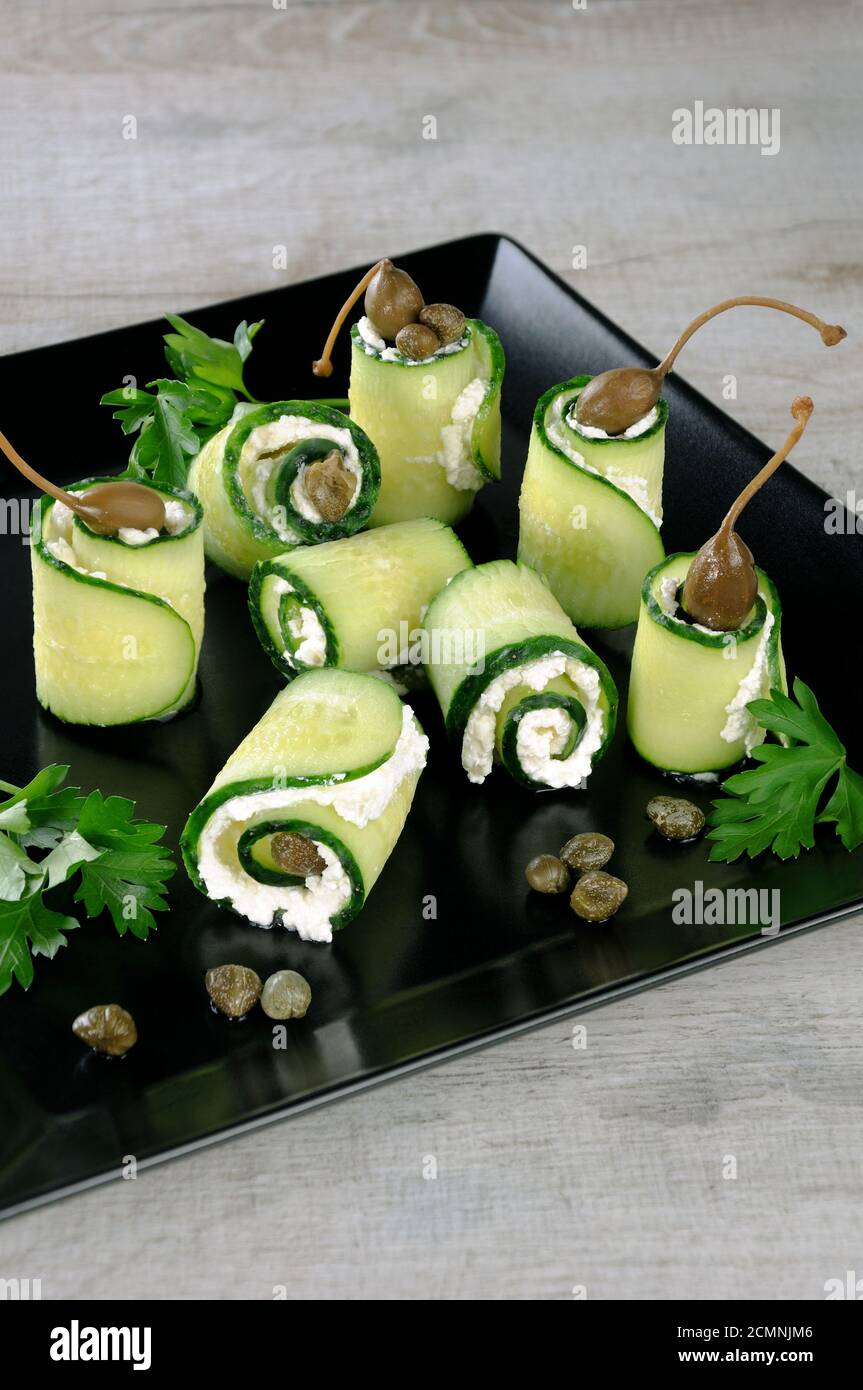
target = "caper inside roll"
x: 281, y: 475
x: 300, y: 821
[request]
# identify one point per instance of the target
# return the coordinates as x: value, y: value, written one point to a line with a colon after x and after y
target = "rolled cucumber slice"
x: 117, y: 626
x: 336, y: 758
x: 689, y: 686
x: 357, y: 603
x: 437, y: 446
x: 514, y: 679
x: 250, y: 478
x: 590, y: 510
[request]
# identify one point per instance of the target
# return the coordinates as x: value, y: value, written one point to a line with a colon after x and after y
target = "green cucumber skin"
x: 653, y: 613
x: 284, y: 661
x: 44, y: 555
x: 509, y: 753
x: 609, y: 608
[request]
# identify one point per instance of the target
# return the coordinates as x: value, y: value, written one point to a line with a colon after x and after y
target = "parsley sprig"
x: 118, y: 863
x: 174, y: 417
x: 776, y: 806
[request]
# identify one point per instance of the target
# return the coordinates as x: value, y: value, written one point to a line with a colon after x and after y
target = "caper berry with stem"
x: 597, y: 896
x: 546, y: 874
x: 614, y: 400
x: 392, y: 300
x: 589, y: 850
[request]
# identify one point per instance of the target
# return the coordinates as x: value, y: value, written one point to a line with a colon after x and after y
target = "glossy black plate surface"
x: 396, y: 990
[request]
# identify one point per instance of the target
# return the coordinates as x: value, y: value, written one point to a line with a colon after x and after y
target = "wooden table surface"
x: 260, y: 126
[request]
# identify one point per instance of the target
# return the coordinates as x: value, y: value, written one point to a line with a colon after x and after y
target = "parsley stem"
x: 9, y: 787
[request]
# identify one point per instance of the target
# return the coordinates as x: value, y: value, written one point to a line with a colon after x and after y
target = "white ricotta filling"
x: 541, y: 733
x: 307, y: 630
x: 557, y: 424
x: 282, y: 435
x: 755, y: 685
x: 370, y: 335
x: 308, y: 909
x: 594, y: 432
x: 455, y: 456
x: 461, y: 471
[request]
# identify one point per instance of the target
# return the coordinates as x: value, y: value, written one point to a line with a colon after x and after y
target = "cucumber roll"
x: 286, y: 474
x: 117, y: 618
x: 690, y: 684
x: 305, y: 813
x: 591, y: 507
x: 435, y: 421
x: 357, y: 603
x: 514, y: 680
x: 708, y: 643
x: 425, y: 384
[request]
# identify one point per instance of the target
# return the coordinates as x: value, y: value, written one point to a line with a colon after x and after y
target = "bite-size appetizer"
x: 515, y: 681
x: 591, y: 497
x: 118, y: 597
x: 590, y: 507
x: 357, y: 603
x: 301, y: 820
x: 425, y: 385
x: 708, y: 643
x: 285, y: 474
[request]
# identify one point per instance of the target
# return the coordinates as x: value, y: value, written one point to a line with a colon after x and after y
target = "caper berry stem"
x: 105, y: 508
x: 44, y: 485
x: 801, y: 409
x: 831, y: 333
x: 323, y: 365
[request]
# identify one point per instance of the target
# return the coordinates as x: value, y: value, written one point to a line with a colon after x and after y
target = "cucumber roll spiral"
x: 515, y: 681
x: 285, y: 474
x: 302, y: 818
x: 117, y: 619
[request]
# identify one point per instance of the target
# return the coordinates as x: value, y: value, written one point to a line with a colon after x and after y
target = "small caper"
x: 597, y: 896
x: 446, y: 320
x: 675, y: 817
x: 392, y: 300
x: 417, y: 342
x: 296, y: 854
x: 546, y: 874
x: 286, y: 995
x: 587, y: 851
x: 234, y: 989
x: 330, y: 485
x: 107, y: 1028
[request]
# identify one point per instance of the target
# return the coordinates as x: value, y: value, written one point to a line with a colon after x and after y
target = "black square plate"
x: 396, y: 990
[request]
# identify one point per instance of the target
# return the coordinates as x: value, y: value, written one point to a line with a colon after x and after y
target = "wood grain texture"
x: 258, y: 128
